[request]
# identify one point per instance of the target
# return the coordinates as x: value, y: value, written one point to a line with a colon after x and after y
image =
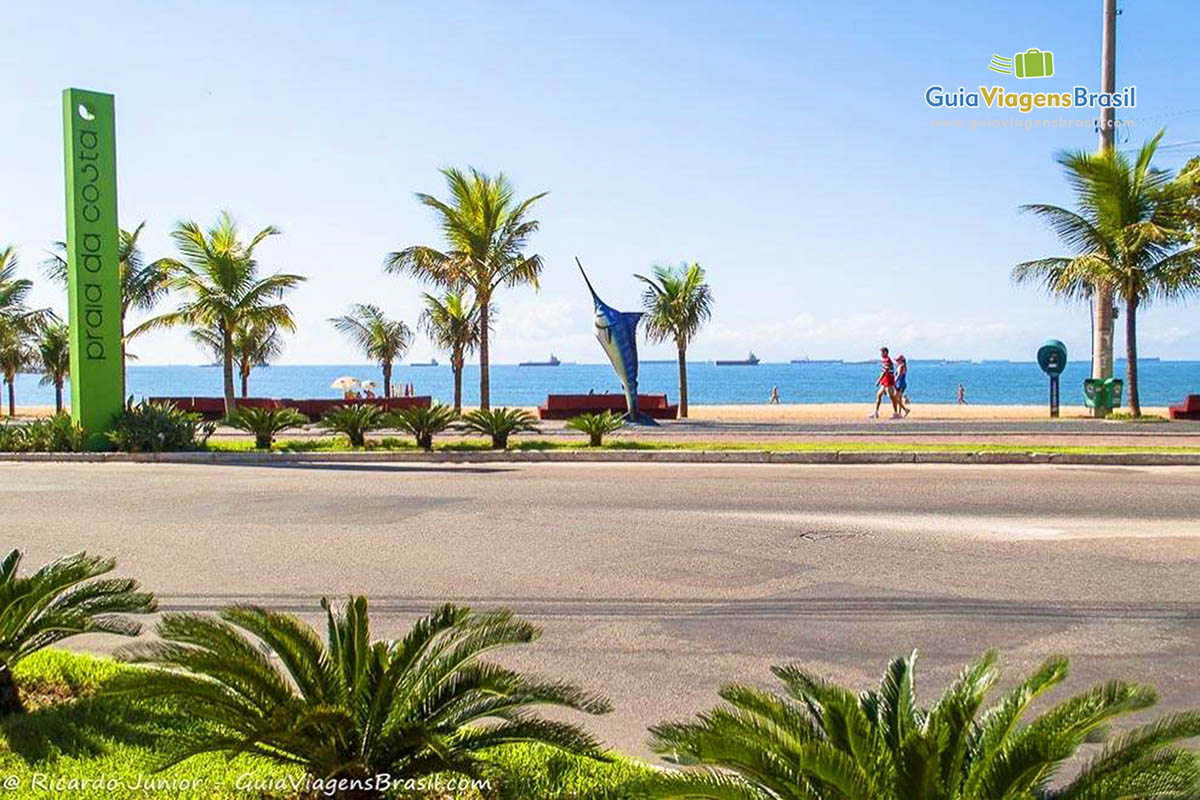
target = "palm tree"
x: 452, y: 323
x: 678, y: 302
x: 1130, y: 236
x: 486, y: 229
x: 58, y: 601
x: 256, y: 344
x: 219, y: 276
x: 351, y: 709
x: 16, y: 355
x: 821, y: 740
x: 380, y: 339
x: 142, y: 284
x: 54, y: 353
x: 19, y: 324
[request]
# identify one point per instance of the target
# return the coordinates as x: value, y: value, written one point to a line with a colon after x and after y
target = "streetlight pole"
x: 1102, y: 309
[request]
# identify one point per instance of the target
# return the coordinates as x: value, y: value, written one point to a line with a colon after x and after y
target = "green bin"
x: 1102, y: 392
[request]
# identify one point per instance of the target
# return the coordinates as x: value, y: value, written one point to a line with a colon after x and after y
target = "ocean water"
x: 1004, y: 383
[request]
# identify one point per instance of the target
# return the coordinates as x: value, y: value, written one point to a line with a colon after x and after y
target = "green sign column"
x: 93, y: 273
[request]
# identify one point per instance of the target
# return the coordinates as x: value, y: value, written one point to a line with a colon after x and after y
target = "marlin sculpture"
x: 617, y: 332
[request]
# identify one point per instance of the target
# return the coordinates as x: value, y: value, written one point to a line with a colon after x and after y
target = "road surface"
x: 656, y: 583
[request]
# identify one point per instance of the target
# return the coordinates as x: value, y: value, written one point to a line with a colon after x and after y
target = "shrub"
x: 57, y: 434
x: 12, y: 438
x: 349, y: 708
x: 596, y: 426
x: 264, y: 423
x: 424, y: 423
x: 822, y: 740
x: 356, y: 421
x: 58, y: 601
x: 499, y: 423
x: 147, y: 427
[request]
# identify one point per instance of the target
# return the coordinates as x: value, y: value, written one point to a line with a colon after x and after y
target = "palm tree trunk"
x: 456, y: 361
x: 123, y: 311
x: 485, y: 394
x: 12, y: 395
x: 1102, y: 345
x: 244, y: 373
x: 387, y: 379
x: 227, y: 370
x: 10, y: 696
x: 683, y: 386
x: 1131, y: 365
x: 58, y: 387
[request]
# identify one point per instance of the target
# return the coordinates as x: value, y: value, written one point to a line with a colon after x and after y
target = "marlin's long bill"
x: 595, y: 297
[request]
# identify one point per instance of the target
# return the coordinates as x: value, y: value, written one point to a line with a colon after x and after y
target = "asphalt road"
x: 656, y: 583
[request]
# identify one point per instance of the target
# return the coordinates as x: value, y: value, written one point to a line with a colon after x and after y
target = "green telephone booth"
x: 1052, y: 358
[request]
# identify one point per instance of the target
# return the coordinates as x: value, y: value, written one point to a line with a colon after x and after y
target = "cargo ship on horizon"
x: 749, y: 361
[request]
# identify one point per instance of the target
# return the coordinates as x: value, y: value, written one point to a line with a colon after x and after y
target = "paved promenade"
x: 655, y: 583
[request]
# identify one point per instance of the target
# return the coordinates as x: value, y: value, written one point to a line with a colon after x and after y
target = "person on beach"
x: 962, y: 395
x: 886, y: 382
x: 774, y: 396
x: 900, y: 396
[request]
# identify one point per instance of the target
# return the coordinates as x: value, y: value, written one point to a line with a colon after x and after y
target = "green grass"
x: 1125, y: 416
x: 70, y: 734
x: 389, y: 444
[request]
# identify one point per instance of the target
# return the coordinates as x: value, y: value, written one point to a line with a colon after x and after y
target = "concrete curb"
x: 1142, y: 459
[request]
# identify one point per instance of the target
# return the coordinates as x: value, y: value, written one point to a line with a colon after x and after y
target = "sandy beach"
x: 830, y: 412
x: 857, y: 412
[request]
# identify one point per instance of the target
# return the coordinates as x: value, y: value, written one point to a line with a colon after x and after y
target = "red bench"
x: 565, y: 406
x: 214, y: 407
x: 1188, y: 409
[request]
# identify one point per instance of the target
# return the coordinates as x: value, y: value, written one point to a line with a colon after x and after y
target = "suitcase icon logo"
x: 1033, y: 63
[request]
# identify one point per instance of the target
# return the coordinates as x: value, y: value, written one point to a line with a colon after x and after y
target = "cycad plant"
x: 350, y: 708
x: 54, y: 358
x: 355, y: 421
x: 64, y: 598
x: 486, y: 228
x: 424, y: 423
x: 596, y: 426
x: 265, y: 423
x: 821, y: 741
x: 223, y: 291
x: 678, y: 302
x: 499, y: 423
x: 381, y: 339
x: 452, y: 323
x: 1130, y: 236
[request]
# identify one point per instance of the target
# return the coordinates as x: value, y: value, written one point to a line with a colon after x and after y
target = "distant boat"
x: 816, y: 360
x: 553, y: 362
x: 749, y: 361
x: 430, y: 363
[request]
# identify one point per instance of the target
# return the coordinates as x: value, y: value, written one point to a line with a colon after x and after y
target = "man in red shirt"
x: 886, y: 382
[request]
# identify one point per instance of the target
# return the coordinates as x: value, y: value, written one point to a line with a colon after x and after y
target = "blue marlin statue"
x: 617, y: 333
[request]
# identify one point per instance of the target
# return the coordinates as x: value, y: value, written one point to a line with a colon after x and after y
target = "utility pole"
x: 1102, y: 310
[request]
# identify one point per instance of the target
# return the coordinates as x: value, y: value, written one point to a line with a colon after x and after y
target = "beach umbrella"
x: 345, y: 382
x: 369, y: 385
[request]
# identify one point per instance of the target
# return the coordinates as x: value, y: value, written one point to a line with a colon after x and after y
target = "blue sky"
x: 786, y: 146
